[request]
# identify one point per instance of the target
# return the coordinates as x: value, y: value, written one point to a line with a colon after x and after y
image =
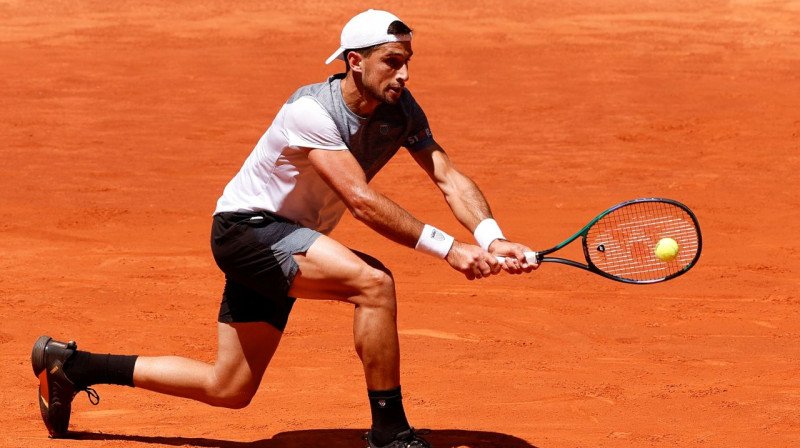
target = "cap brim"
x: 338, y: 54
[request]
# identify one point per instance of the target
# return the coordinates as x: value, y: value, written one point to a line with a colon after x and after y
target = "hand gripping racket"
x: 620, y: 243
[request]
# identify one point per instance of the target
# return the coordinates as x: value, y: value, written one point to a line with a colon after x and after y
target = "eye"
x: 396, y: 63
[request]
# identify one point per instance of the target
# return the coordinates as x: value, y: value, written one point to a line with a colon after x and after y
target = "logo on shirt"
x: 419, y: 136
x: 384, y: 129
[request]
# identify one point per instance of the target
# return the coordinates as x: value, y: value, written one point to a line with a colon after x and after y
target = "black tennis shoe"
x: 56, y: 391
x: 406, y: 439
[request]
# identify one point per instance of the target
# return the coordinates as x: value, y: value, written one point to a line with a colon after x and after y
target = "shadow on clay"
x: 329, y: 438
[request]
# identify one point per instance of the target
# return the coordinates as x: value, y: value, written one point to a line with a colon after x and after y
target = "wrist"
x: 434, y: 242
x: 488, y: 232
x: 494, y: 241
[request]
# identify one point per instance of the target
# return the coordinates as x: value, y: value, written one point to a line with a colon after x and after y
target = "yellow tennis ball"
x: 667, y: 249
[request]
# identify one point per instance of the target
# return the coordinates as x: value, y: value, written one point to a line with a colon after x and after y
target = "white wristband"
x: 486, y: 232
x: 434, y: 242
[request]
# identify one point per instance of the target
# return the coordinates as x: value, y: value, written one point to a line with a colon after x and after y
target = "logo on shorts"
x: 384, y: 129
x: 382, y: 403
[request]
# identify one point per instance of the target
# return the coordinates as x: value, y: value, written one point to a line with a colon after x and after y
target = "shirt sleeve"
x: 308, y: 125
x: 420, y: 136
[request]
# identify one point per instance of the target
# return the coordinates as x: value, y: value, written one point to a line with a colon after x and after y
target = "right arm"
x: 341, y: 171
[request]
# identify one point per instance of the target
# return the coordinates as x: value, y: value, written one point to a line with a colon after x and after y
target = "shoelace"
x: 94, y: 397
x: 409, y: 438
x: 418, y: 443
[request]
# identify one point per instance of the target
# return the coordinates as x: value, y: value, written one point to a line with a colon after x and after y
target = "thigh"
x: 241, y: 304
x: 329, y: 270
x: 255, y: 250
x: 244, y: 351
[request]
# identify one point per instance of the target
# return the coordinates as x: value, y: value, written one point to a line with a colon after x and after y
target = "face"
x: 384, y: 73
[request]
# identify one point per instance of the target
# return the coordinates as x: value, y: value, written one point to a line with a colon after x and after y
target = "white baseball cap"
x: 367, y: 29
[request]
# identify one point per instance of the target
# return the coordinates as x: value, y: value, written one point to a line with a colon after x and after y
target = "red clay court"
x: 122, y: 122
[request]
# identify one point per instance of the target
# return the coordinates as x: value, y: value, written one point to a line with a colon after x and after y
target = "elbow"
x: 360, y: 214
x: 452, y: 191
x: 361, y: 206
x: 453, y: 183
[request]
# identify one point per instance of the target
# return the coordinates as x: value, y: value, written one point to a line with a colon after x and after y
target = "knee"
x: 377, y: 287
x: 231, y: 398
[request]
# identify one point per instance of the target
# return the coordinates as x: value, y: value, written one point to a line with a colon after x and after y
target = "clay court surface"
x: 122, y: 121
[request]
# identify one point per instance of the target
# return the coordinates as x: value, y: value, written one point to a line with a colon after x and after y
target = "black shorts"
x: 254, y: 250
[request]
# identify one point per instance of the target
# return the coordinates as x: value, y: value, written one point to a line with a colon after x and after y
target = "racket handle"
x: 530, y: 257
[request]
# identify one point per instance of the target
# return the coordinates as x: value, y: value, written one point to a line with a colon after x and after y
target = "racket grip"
x: 530, y: 257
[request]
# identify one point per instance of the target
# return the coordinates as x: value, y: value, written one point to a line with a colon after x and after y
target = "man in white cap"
x: 269, y: 237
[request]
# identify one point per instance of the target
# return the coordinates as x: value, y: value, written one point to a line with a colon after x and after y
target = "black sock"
x: 388, y: 416
x: 85, y: 369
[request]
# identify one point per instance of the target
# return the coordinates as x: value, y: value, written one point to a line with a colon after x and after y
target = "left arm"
x: 468, y: 203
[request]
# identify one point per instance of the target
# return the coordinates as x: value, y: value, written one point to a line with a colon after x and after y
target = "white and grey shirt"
x: 277, y: 175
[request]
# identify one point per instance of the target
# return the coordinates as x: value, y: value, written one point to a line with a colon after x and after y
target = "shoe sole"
x: 38, y: 355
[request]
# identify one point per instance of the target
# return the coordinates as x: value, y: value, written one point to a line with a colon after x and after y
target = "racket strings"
x: 622, y: 243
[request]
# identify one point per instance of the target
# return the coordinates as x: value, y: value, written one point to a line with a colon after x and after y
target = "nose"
x: 402, y: 73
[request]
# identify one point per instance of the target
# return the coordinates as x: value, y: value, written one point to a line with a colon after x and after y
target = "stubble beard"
x: 381, y: 96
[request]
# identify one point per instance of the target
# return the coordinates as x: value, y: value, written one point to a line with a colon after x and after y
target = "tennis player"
x: 269, y: 237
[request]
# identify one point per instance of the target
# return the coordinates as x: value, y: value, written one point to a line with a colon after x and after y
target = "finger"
x: 503, y: 265
x: 475, y: 270
x: 519, y: 255
x: 519, y: 267
x: 533, y: 266
x: 495, y: 265
x: 511, y: 265
x: 508, y: 264
x: 484, y: 268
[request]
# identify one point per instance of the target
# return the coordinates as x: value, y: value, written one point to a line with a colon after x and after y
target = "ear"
x: 355, y: 60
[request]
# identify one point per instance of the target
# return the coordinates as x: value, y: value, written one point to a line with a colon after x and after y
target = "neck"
x: 356, y: 97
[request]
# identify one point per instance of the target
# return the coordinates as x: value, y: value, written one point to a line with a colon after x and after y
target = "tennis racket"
x: 620, y: 243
